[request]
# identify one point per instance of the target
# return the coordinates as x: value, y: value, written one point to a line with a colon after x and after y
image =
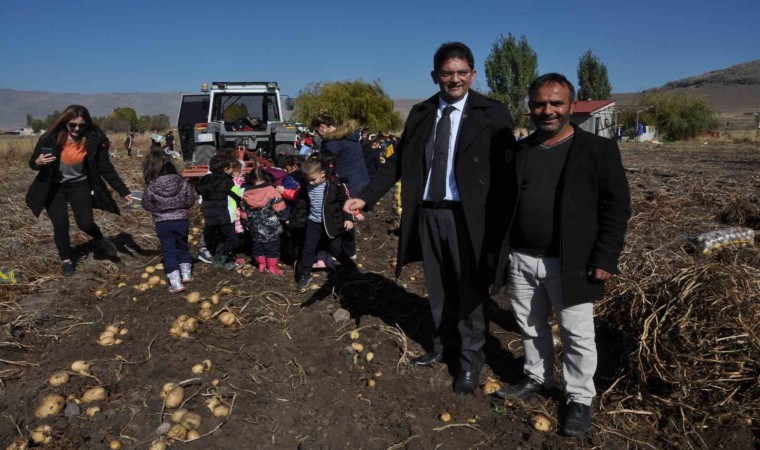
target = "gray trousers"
x: 456, y: 301
x: 535, y: 287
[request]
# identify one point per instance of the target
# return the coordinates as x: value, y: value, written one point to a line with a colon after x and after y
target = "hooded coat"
x: 168, y: 197
x: 217, y: 191
x: 97, y: 167
x: 350, y: 164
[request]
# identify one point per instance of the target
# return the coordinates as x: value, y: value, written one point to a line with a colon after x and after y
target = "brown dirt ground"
x: 286, y: 367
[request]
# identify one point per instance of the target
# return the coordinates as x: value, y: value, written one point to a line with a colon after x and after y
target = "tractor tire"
x: 203, y: 154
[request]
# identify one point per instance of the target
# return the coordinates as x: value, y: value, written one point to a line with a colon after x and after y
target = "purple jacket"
x: 168, y: 197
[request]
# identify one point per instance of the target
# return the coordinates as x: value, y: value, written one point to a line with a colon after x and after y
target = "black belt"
x: 442, y: 204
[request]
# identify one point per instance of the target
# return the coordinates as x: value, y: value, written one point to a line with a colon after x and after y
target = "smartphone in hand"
x: 46, y: 151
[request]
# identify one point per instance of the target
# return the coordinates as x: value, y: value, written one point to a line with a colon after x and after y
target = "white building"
x: 595, y: 116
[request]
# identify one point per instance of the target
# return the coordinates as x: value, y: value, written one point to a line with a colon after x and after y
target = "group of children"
x: 298, y: 207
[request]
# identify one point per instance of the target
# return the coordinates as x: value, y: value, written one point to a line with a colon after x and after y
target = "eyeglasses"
x: 74, y: 125
x: 447, y: 74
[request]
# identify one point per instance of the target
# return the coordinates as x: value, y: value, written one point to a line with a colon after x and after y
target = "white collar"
x: 458, y: 105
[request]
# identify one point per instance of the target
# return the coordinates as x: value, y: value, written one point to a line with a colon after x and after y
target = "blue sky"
x: 163, y: 46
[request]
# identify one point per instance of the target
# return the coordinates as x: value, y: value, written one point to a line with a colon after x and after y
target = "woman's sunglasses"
x: 74, y: 126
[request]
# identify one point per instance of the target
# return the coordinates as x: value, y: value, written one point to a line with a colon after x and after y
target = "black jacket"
x: 215, y: 191
x: 333, y: 216
x: 485, y: 136
x: 97, y: 167
x: 595, y: 206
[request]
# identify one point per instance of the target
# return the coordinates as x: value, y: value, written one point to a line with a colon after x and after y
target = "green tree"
x: 365, y: 103
x: 122, y: 116
x: 510, y: 68
x: 143, y: 123
x: 675, y: 116
x: 593, y: 82
x: 159, y: 122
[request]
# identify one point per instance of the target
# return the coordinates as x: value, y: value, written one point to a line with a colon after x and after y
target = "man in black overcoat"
x: 568, y: 207
x: 451, y: 162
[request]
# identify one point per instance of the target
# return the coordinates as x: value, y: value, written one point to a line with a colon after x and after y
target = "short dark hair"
x: 312, y: 165
x: 321, y: 120
x: 217, y: 164
x: 451, y: 50
x: 551, y: 78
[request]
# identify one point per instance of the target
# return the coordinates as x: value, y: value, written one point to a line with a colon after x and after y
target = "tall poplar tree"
x: 593, y: 83
x: 510, y: 68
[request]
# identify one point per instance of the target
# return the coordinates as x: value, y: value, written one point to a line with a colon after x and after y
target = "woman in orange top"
x: 72, y: 161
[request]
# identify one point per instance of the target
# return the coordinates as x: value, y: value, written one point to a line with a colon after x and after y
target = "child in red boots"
x: 265, y: 212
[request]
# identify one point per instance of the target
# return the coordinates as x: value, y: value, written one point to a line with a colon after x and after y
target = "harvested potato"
x: 207, y: 364
x: 205, y: 314
x: 198, y: 368
x: 225, y: 291
x: 158, y: 445
x: 227, y: 318
x: 92, y: 410
x: 445, y: 417
x: 167, y: 387
x: 80, y: 366
x: 42, y: 435
x: 490, y: 386
x: 100, y: 293
x: 121, y: 285
x: 143, y: 286
x: 221, y: 411
x: 193, y: 297
x: 215, y: 299
x: 113, y: 329
x: 175, y: 397
x: 177, y: 415
x: 191, y: 421
x: 541, y: 423
x: 159, y: 266
x: 144, y: 275
x: 150, y: 269
x: 190, y: 325
x: 58, y: 379
x: 50, y: 406
x: 154, y: 280
x: 123, y: 331
x: 354, y: 335
x: 177, y: 431
x: 106, y: 340
x: 193, y: 435
x: 94, y: 394
x: 358, y: 347
x: 369, y: 357
x: 212, y: 403
x: 371, y: 383
x: 114, y: 445
x: 205, y: 304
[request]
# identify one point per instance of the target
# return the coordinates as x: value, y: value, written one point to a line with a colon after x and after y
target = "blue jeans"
x: 173, y: 237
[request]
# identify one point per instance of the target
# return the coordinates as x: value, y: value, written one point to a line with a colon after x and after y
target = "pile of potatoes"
x: 204, y: 366
x: 150, y: 278
x: 109, y: 336
x: 183, y: 326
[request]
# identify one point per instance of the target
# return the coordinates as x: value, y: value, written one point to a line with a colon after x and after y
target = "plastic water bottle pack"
x: 735, y: 237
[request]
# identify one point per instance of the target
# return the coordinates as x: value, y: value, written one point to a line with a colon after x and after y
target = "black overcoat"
x: 595, y: 206
x: 97, y: 167
x: 485, y: 136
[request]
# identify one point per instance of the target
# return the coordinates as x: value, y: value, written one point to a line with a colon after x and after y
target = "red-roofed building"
x: 595, y: 116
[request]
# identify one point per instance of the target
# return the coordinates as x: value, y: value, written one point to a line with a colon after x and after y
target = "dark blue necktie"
x: 437, y: 190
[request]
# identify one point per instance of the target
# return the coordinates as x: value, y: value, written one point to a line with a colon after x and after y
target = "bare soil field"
x: 677, y: 334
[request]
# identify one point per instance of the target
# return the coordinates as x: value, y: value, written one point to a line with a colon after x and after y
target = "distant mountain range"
x: 734, y: 92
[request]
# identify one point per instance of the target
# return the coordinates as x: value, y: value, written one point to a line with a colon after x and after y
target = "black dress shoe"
x: 466, y: 382
x: 428, y: 359
x: 577, y: 420
x: 520, y: 391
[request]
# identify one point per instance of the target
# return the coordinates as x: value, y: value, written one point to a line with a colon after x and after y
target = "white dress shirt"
x: 452, y: 191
